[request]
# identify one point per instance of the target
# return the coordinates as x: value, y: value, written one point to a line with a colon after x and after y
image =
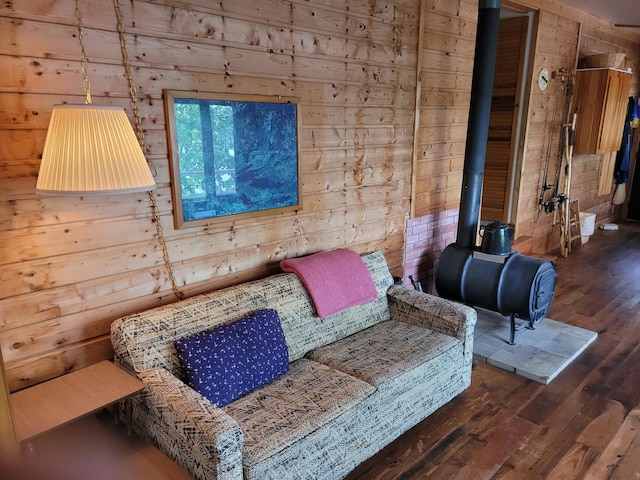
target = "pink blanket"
x: 336, y: 280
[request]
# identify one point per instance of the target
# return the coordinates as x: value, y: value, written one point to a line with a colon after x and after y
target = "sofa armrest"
x: 435, y: 313
x: 201, y: 437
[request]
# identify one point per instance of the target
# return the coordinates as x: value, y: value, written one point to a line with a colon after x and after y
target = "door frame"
x: 521, y: 120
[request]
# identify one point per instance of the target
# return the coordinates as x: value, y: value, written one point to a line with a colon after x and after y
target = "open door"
x: 503, y: 142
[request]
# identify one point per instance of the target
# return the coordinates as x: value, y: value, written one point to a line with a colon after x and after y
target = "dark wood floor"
x: 582, y: 425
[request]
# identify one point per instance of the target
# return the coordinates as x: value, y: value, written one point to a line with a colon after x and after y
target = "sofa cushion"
x: 293, y: 407
x: 385, y: 351
x: 227, y: 362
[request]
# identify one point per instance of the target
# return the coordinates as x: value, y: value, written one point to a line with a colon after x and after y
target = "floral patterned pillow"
x: 229, y: 361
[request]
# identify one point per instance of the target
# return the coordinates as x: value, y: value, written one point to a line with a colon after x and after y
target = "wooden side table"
x: 54, y: 403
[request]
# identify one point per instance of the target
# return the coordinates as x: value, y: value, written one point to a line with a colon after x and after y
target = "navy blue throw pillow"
x: 229, y: 361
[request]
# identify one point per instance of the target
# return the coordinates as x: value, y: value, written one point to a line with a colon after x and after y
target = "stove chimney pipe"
x: 478, y: 129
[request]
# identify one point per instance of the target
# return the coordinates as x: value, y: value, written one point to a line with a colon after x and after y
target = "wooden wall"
x: 556, y: 48
x: 69, y: 265
x: 596, y: 39
x: 563, y: 36
x: 447, y: 66
x: 448, y: 62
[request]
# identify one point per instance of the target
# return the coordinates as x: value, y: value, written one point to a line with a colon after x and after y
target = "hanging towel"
x: 336, y: 280
x: 623, y: 156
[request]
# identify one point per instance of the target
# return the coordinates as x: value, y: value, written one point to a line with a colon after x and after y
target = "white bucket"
x: 587, y: 224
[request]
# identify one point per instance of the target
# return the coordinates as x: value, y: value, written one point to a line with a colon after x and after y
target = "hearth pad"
x: 539, y: 354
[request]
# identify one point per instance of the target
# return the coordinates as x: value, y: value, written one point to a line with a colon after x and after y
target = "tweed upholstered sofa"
x: 357, y: 379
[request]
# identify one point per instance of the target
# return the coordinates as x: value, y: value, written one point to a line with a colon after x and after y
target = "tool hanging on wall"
x: 559, y: 198
x: 565, y: 222
x: 542, y: 203
x: 550, y: 204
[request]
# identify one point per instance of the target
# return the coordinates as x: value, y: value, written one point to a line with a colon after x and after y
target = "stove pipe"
x: 479, y: 113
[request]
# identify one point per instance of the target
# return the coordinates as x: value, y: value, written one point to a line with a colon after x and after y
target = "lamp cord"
x: 85, y: 61
x: 140, y: 134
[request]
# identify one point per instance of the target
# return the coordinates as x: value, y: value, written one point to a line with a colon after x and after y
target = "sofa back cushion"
x: 226, y: 362
x: 144, y: 340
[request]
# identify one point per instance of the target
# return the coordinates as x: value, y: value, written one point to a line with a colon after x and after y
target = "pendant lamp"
x: 92, y: 150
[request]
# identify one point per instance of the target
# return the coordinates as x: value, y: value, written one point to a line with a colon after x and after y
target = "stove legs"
x: 515, y: 327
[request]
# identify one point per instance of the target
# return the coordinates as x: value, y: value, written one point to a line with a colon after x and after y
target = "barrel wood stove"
x: 491, y: 276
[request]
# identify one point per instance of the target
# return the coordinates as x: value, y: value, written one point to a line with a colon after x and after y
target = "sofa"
x: 356, y: 379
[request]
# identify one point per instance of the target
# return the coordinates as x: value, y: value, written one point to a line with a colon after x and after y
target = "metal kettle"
x: 496, y: 239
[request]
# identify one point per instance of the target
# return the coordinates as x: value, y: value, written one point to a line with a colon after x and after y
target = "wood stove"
x: 492, y: 276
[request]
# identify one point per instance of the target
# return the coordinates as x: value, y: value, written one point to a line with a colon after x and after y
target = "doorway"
x: 504, y: 156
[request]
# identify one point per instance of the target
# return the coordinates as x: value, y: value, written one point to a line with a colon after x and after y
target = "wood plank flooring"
x: 584, y: 425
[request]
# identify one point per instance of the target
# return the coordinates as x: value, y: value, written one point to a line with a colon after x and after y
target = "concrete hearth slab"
x: 539, y: 354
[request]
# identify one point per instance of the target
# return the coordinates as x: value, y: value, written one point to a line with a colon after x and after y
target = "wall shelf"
x: 51, y: 404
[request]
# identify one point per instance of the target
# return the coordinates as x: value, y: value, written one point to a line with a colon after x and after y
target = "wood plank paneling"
x: 447, y: 63
x: 70, y: 265
x: 563, y: 35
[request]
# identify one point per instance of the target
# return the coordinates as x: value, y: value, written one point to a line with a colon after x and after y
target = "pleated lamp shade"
x: 92, y: 150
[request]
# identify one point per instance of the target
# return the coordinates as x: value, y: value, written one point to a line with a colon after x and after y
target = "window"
x: 232, y: 155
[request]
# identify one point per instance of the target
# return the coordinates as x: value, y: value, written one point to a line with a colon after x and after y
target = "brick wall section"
x: 426, y: 237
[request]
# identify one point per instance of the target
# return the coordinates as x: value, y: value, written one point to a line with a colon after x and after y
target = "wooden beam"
x: 418, y: 106
x: 9, y: 449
